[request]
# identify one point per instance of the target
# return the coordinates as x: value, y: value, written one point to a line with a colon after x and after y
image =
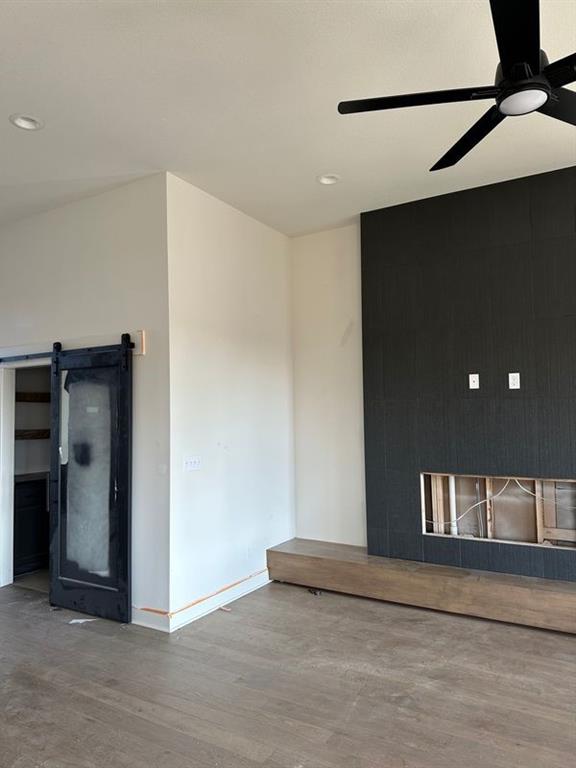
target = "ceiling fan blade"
x: 562, y: 72
x: 418, y: 99
x: 473, y: 136
x: 517, y: 27
x: 561, y: 105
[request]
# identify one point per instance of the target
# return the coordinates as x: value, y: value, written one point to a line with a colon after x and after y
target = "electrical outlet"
x: 192, y: 464
x: 473, y: 381
x: 513, y: 381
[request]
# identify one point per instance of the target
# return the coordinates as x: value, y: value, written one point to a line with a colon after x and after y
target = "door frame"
x: 7, y: 421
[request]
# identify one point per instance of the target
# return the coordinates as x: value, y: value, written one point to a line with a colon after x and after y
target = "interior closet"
x: 31, y: 475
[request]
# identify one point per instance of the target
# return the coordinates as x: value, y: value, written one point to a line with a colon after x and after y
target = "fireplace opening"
x: 512, y: 509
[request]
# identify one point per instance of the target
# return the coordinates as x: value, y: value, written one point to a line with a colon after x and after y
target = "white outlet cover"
x: 473, y: 381
x: 192, y: 464
x: 513, y: 381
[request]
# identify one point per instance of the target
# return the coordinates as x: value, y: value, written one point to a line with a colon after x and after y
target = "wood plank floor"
x: 37, y: 580
x: 286, y: 679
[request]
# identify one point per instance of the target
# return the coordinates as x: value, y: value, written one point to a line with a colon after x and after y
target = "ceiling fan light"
x: 523, y: 102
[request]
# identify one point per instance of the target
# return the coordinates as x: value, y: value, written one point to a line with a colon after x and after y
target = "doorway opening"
x: 31, y: 493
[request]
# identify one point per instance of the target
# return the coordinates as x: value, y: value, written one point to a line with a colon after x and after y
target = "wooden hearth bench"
x: 535, y: 602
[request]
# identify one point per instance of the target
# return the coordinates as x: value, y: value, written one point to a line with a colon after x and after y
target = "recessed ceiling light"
x: 328, y: 178
x: 26, y: 122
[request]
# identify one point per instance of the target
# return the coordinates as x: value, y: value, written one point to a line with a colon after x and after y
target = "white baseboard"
x: 151, y: 620
x: 179, y: 619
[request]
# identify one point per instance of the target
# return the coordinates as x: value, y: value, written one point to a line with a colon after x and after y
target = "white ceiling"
x: 240, y: 99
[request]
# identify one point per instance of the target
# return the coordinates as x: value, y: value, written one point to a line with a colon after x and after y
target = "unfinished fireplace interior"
x: 512, y: 509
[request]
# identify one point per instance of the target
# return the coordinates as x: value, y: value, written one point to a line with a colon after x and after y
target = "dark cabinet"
x: 31, y: 525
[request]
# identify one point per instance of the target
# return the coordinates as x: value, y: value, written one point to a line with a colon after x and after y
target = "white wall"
x: 231, y: 399
x: 328, y: 402
x: 98, y: 267
x: 7, y: 395
x: 251, y: 338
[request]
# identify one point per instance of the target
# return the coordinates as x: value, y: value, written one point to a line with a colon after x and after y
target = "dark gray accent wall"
x: 481, y: 281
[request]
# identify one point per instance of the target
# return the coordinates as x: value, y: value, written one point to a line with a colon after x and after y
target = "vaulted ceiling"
x: 240, y: 99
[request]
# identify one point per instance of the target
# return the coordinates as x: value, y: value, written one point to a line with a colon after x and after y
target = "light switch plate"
x: 473, y: 381
x: 192, y: 464
x: 513, y: 381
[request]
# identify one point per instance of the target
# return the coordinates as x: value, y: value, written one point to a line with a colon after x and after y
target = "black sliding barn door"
x: 90, y: 474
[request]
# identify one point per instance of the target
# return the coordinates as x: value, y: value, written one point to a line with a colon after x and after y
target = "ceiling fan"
x: 525, y: 81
